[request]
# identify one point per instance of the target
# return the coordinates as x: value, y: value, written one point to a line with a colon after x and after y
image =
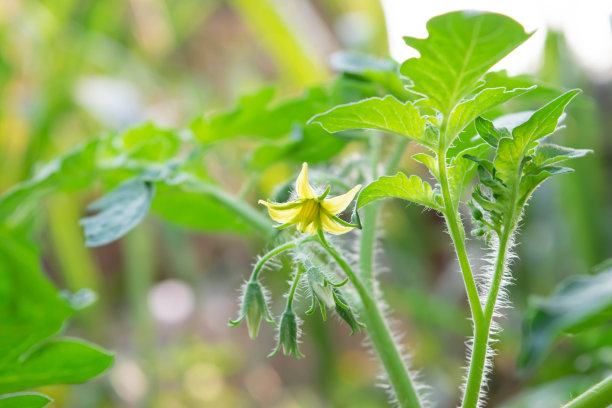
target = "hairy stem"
x: 380, y: 335
x: 275, y: 251
x: 598, y: 396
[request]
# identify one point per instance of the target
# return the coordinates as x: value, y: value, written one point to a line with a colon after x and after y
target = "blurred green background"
x: 71, y: 69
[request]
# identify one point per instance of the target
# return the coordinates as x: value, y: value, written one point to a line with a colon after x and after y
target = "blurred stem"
x: 281, y: 248
x: 598, y: 396
x: 379, y: 334
x: 249, y: 214
x: 276, y: 33
x: 140, y: 257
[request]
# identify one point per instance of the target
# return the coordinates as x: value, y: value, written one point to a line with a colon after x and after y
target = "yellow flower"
x: 311, y: 213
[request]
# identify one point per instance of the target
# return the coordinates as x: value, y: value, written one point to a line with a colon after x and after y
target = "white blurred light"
x: 586, y: 25
x: 129, y: 381
x: 171, y: 301
x: 114, y: 102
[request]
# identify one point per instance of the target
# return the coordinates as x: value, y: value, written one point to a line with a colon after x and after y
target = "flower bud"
x: 254, y: 308
x: 288, y: 335
x: 346, y: 313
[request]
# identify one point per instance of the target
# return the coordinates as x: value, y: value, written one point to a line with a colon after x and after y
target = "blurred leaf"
x: 400, y: 186
x: 577, y: 304
x: 460, y: 48
x: 306, y: 144
x: 386, y: 114
x: 70, y: 172
x: 24, y: 400
x: 61, y: 361
x: 120, y: 210
x: 256, y: 116
x: 547, y: 154
x: 145, y: 142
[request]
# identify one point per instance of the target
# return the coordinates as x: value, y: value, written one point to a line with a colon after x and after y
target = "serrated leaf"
x: 430, y: 162
x: 529, y: 182
x: 577, y: 304
x: 547, y: 154
x: 24, y: 400
x: 468, y: 110
x: 460, y: 170
x: 512, y: 151
x: 61, y: 361
x: 460, y: 48
x: 386, y: 114
x: 400, y: 186
x: 120, y: 210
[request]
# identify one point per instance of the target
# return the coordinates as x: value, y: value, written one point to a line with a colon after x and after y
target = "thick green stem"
x: 380, y: 335
x: 598, y: 396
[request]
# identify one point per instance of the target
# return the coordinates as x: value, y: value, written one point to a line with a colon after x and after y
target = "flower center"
x: 309, y: 213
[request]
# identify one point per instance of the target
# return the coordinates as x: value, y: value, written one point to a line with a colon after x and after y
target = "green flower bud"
x: 320, y: 288
x: 254, y: 308
x: 345, y: 312
x: 288, y: 335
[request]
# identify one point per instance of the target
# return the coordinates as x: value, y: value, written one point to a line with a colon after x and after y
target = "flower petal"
x: 333, y: 227
x: 283, y: 213
x: 303, y: 188
x: 338, y: 204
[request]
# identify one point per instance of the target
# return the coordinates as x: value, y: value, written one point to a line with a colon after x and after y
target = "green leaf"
x: 461, y: 169
x: 577, y: 304
x: 120, y: 210
x: 69, y: 172
x: 386, y: 114
x: 145, y: 142
x: 61, y: 361
x: 400, y: 186
x: 257, y: 116
x: 308, y: 143
x: 430, y: 162
x: 24, y: 400
x: 488, y: 132
x: 530, y: 181
x: 547, y: 154
x: 468, y: 110
x: 461, y: 47
x: 512, y: 151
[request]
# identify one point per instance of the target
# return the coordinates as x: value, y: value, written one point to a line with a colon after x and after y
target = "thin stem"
x: 380, y: 335
x: 598, y: 396
x: 294, y: 284
x: 458, y: 236
x: 281, y: 248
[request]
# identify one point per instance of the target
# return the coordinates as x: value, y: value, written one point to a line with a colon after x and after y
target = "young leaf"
x: 24, y: 400
x: 400, y: 186
x: 487, y: 131
x: 530, y: 181
x: 470, y: 109
x: 386, y: 114
x: 120, y: 210
x: 61, y: 361
x: 511, y: 152
x: 461, y: 168
x: 461, y: 47
x: 547, y: 154
x: 578, y: 303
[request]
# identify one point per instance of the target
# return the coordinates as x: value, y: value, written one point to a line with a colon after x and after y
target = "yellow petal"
x: 332, y: 226
x: 303, y: 188
x: 311, y: 228
x: 283, y: 213
x: 338, y: 204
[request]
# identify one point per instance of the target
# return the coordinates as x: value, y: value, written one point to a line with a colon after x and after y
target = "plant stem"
x: 380, y: 335
x: 249, y: 214
x: 598, y: 396
x: 457, y: 233
x: 281, y: 248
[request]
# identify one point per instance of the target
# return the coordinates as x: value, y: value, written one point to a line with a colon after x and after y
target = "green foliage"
x: 400, y: 186
x: 24, y: 400
x: 386, y: 114
x: 461, y: 47
x: 29, y: 356
x: 579, y: 303
x: 119, y: 211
